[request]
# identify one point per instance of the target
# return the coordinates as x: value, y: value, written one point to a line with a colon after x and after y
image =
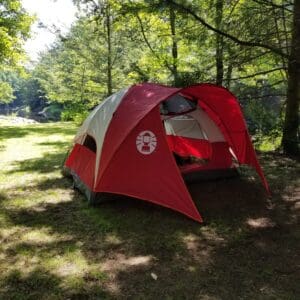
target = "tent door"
x: 187, y: 141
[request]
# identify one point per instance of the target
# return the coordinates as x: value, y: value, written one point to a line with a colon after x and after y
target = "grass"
x: 53, y: 246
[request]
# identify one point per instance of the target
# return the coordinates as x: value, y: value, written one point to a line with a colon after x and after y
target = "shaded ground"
x: 52, y: 246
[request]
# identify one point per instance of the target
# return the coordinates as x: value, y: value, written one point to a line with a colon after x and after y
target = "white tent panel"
x: 97, y: 123
x: 211, y: 130
x: 196, y: 124
x: 185, y: 126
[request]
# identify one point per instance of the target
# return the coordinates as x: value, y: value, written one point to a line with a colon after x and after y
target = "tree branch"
x: 148, y: 44
x: 261, y: 96
x: 274, y: 5
x: 225, y: 34
x: 259, y: 73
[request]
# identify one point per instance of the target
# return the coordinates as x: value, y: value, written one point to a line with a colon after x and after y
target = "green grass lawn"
x: 53, y: 246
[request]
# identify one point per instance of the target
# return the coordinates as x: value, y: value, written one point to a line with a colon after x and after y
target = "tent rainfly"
x: 143, y: 141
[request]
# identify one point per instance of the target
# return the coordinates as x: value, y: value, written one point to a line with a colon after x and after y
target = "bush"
x: 77, y: 114
x: 51, y: 112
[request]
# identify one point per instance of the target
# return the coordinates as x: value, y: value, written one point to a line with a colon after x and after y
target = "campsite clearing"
x: 53, y: 246
x: 155, y: 133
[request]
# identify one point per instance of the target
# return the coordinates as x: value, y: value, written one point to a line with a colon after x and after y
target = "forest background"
x: 250, y: 47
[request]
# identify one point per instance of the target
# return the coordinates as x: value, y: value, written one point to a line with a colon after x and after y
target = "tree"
x: 102, y: 12
x: 31, y: 94
x: 169, y: 44
x: 290, y: 139
x: 15, y: 25
x: 74, y: 72
x: 219, y: 43
x: 265, y: 40
x: 241, y: 44
x: 172, y: 18
x: 6, y: 93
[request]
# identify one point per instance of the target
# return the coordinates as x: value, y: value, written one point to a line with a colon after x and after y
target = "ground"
x: 53, y: 246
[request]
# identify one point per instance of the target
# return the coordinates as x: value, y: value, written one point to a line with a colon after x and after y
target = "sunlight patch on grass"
x: 10, y: 232
x: 260, y: 223
x: 201, y: 248
x: 70, y: 261
x: 211, y: 234
x: 14, y: 153
x: 63, y: 267
x: 73, y: 268
x: 113, y: 239
x: 121, y: 262
x: 43, y: 236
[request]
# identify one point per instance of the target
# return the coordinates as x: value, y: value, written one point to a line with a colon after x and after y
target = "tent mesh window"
x: 177, y: 105
x: 90, y: 143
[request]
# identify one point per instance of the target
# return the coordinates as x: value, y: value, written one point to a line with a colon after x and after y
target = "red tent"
x: 140, y: 141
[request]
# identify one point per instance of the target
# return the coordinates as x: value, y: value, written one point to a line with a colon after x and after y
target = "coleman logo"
x: 146, y: 142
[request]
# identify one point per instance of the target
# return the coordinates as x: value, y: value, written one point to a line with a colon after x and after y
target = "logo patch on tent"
x: 146, y: 142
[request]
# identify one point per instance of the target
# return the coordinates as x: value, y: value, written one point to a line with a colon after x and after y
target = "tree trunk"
x: 109, y: 51
x: 82, y: 85
x: 229, y: 74
x: 174, y: 46
x: 290, y: 139
x: 219, y: 43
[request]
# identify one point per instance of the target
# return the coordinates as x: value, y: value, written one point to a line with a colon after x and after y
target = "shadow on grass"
x: 54, y: 183
x: 57, y: 145
x: 37, y: 284
x: 2, y: 196
x: 48, y: 163
x: 248, y: 248
x: 40, y: 284
x: 9, y: 132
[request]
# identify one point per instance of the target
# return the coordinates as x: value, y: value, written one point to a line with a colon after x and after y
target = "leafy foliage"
x: 6, y: 92
x: 14, y: 29
x: 243, y: 45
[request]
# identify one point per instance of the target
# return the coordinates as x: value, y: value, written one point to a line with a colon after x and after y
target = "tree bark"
x: 229, y: 75
x: 174, y: 47
x: 109, y: 51
x: 82, y: 84
x: 219, y: 43
x: 290, y: 139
